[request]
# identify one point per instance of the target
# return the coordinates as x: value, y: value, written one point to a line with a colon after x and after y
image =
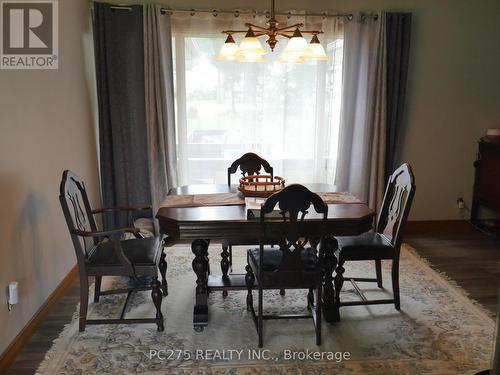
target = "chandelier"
x: 297, y: 49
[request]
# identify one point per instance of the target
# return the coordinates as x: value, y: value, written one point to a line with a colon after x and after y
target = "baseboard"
x: 446, y: 226
x: 10, y: 354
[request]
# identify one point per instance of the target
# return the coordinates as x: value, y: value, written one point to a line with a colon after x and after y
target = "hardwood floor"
x: 33, y: 353
x: 456, y: 248
x: 467, y: 256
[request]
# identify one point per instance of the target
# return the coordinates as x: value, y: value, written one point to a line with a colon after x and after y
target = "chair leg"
x: 224, y: 264
x: 162, y: 266
x: 156, y: 295
x: 395, y: 283
x: 319, y: 307
x: 97, y: 288
x: 84, y: 301
x: 378, y: 271
x: 339, y: 282
x: 249, y: 281
x: 231, y: 257
x: 260, y: 319
x: 310, y: 299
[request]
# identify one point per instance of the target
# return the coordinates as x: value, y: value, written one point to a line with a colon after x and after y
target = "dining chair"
x: 382, y: 244
x: 293, y: 265
x: 248, y: 164
x: 106, y: 253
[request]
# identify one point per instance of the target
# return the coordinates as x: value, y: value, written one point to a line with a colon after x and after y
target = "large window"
x: 287, y: 113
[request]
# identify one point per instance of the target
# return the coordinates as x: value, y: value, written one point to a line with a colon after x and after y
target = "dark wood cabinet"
x: 485, y: 210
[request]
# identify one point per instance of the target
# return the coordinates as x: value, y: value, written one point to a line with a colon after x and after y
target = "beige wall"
x: 46, y: 126
x: 453, y: 88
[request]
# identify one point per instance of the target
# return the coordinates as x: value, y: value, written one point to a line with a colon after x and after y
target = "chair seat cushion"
x: 141, y: 251
x: 365, y: 246
x: 273, y: 256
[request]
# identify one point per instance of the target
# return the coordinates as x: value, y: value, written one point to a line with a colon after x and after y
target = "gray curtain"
x: 361, y: 156
x: 159, y: 91
x: 398, y: 32
x: 119, y: 46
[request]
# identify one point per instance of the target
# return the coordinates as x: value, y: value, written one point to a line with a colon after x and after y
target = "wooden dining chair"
x: 248, y: 164
x: 106, y: 253
x: 292, y: 265
x: 382, y: 244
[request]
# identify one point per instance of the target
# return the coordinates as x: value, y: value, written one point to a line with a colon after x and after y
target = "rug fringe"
x: 458, y: 289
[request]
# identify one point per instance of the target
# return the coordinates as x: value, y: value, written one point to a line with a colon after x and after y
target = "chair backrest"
x: 289, y: 230
x: 77, y: 212
x: 249, y: 164
x: 396, y: 205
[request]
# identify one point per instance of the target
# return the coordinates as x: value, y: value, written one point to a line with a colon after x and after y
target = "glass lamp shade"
x: 249, y: 57
x: 291, y: 58
x: 297, y: 49
x: 228, y: 50
x: 317, y: 50
x: 250, y: 50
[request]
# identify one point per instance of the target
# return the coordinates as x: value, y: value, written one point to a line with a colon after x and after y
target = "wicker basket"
x: 261, y: 185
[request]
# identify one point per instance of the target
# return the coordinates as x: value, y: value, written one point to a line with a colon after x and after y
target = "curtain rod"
x: 255, y: 13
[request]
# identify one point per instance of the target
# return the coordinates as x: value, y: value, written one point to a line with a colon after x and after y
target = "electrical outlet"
x: 460, y: 203
x: 12, y: 295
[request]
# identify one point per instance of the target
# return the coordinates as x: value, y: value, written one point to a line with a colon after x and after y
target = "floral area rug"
x: 438, y: 330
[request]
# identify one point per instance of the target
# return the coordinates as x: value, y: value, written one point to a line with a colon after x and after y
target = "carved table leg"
x: 200, y: 268
x: 329, y: 262
x: 224, y: 264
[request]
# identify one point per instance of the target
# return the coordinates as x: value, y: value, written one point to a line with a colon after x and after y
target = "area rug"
x: 438, y: 330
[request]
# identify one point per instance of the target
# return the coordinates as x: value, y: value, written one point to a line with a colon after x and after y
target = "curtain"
x: 289, y: 114
x: 123, y: 147
x: 159, y: 99
x: 398, y: 31
x: 361, y: 162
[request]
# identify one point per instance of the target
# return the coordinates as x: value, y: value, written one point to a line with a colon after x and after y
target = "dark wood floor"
x: 464, y: 254
x: 34, y: 352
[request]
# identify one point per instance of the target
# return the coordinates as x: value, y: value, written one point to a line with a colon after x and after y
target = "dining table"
x: 210, y: 212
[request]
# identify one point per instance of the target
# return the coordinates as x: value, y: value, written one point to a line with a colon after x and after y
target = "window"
x: 287, y: 113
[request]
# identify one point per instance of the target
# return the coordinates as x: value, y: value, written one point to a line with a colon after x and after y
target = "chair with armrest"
x: 292, y: 265
x: 105, y: 253
x: 382, y: 244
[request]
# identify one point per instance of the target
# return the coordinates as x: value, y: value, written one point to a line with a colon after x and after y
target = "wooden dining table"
x: 221, y: 222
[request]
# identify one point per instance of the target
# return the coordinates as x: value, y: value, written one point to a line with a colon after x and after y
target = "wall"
x: 46, y: 126
x: 453, y: 94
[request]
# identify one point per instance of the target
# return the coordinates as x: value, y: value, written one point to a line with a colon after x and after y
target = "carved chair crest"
x: 294, y: 202
x: 77, y: 210
x: 396, y: 204
x: 249, y: 164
